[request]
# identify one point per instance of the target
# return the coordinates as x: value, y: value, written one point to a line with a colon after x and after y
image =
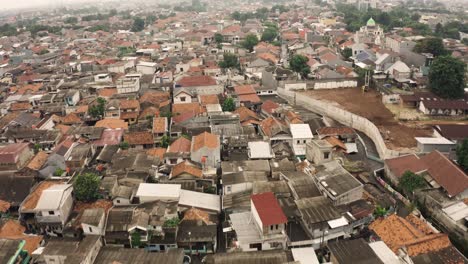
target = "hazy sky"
x: 8, y: 4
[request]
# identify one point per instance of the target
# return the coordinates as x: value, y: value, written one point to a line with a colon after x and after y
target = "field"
x: 369, y: 105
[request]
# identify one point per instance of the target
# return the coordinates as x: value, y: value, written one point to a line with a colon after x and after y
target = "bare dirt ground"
x: 369, y: 105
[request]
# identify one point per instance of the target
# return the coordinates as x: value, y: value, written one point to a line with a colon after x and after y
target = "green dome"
x: 371, y: 22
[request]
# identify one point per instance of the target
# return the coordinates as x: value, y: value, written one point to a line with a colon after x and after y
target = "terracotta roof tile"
x: 180, y: 145
x: 205, y: 139
x: 155, y: 98
x: 129, y: 104
x: 441, y: 169
x: 4, y: 206
x: 202, y: 80
x: 31, y: 201
x: 71, y: 119
x: 112, y: 123
x: 107, y: 92
x: 415, y: 235
x: 38, y: 161
x: 149, y: 111
x: 20, y: 106
x: 269, y: 106
x: 157, y: 152
x: 159, y: 125
x: 246, y: 114
x: 268, y: 209
x: 139, y: 138
x: 209, y: 99
x: 186, y: 167
x: 194, y: 214
x: 12, y: 229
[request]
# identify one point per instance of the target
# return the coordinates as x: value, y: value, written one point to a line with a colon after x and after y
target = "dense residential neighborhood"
x: 220, y: 132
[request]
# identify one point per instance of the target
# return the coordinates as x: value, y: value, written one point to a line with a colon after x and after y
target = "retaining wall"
x: 344, y: 117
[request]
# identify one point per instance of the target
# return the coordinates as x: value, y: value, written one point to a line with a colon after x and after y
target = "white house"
x: 92, y: 221
x: 130, y: 83
x: 182, y: 96
x: 301, y: 135
x: 149, y: 192
x: 146, y: 68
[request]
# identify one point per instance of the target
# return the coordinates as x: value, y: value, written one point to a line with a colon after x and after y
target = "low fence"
x: 342, y: 116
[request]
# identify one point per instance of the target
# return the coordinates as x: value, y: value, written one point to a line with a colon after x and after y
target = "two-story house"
x: 15, y: 156
x: 301, y: 135
x: 178, y: 151
x: 129, y: 110
x: 50, y: 203
x: 206, y: 149
x: 262, y: 228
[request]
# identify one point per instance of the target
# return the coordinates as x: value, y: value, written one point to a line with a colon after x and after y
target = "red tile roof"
x: 268, y: 209
x: 205, y: 139
x: 156, y: 152
x: 160, y: 125
x: 180, y: 145
x: 442, y: 170
x: 188, y: 168
x: 139, y: 138
x: 110, y: 137
x: 268, y: 106
x: 202, y: 80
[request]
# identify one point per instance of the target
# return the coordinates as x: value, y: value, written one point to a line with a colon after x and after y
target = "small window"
x: 90, y: 229
x: 51, y: 213
x: 270, y: 92
x: 276, y: 227
x: 298, y: 142
x: 271, y: 227
x: 229, y: 188
x: 117, y: 201
x: 182, y: 99
x: 326, y: 155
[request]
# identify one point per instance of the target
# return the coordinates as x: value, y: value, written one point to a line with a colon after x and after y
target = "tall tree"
x: 269, y: 34
x: 229, y: 61
x: 229, y: 105
x: 250, y: 42
x: 462, y: 155
x: 347, y: 53
x: 435, y: 46
x: 218, y: 38
x: 298, y: 63
x: 447, y: 77
x: 86, y: 187
x: 410, y: 182
x: 138, y: 24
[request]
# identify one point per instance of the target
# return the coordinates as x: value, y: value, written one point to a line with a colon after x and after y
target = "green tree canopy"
x: 250, y: 42
x: 435, y: 46
x: 409, y: 182
x: 86, y: 187
x: 229, y: 105
x: 71, y: 20
x: 229, y: 61
x: 298, y: 64
x: 347, y: 53
x: 218, y: 38
x: 447, y: 77
x: 97, y: 110
x: 138, y: 24
x: 269, y: 34
x: 462, y: 155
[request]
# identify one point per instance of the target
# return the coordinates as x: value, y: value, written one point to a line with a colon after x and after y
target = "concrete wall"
x: 344, y: 117
x: 334, y: 84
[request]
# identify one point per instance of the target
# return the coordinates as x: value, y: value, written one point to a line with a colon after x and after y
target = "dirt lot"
x: 369, y: 105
